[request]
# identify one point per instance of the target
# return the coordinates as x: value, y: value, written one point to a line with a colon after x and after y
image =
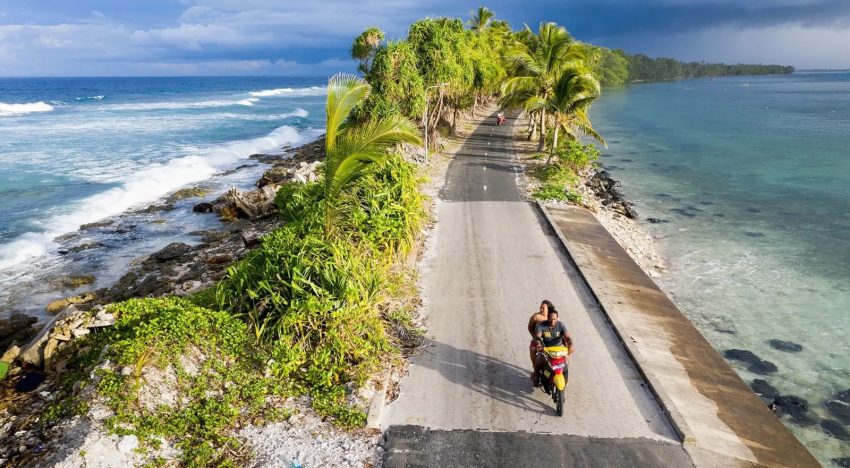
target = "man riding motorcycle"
x: 550, y: 333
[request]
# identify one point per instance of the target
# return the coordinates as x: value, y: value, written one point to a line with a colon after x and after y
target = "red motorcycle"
x: 553, y: 374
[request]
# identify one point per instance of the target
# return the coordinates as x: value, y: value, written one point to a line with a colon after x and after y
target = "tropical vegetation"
x: 326, y: 301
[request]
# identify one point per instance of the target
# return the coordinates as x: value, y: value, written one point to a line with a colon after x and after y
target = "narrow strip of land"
x: 492, y: 263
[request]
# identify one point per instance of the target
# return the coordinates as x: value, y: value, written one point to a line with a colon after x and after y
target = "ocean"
x: 80, y: 150
x: 748, y: 182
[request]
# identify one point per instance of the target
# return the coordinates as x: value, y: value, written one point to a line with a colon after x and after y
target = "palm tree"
x: 574, y: 92
x: 537, y: 63
x: 480, y: 19
x: 352, y: 149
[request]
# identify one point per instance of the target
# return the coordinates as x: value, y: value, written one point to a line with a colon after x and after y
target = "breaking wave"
x: 9, y: 110
x: 309, y: 91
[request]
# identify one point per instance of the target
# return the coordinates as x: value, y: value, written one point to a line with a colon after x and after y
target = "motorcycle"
x: 553, y: 374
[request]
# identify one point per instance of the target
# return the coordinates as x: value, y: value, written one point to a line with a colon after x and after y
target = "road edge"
x: 677, y: 421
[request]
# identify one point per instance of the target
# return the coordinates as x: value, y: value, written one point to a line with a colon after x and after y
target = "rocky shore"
x: 32, y: 374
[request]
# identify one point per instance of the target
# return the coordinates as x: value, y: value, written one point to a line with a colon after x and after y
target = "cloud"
x: 275, y: 37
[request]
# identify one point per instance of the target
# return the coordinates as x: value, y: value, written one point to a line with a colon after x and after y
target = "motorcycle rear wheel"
x: 559, y: 402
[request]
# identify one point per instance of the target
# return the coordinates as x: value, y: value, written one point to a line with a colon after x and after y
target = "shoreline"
x: 180, y: 269
x: 601, y: 196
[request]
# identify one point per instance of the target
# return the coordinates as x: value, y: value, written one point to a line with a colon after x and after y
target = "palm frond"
x: 345, y: 91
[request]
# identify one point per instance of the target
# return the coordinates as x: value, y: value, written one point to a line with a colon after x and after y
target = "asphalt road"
x: 491, y: 263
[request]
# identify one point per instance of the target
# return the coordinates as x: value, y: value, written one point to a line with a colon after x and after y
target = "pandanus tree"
x: 574, y: 92
x: 536, y: 63
x: 351, y: 149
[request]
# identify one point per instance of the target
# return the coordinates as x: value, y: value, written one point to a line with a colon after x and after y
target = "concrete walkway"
x: 493, y: 260
x: 721, y: 421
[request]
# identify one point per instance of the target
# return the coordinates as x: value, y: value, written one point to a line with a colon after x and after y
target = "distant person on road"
x: 552, y: 332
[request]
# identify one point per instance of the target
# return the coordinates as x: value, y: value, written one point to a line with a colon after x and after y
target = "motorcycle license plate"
x: 559, y: 366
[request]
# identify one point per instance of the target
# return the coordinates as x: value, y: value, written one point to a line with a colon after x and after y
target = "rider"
x: 551, y: 333
x: 537, y: 318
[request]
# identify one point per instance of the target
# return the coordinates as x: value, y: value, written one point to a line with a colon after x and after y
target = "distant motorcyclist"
x: 550, y: 333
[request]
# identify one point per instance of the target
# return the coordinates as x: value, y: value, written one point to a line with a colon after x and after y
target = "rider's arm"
x: 568, y: 341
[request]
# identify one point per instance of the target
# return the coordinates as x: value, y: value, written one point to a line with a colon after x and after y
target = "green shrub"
x: 318, y: 302
x: 225, y: 388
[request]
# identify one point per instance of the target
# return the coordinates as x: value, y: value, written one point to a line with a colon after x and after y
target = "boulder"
x: 171, y: 251
x: 837, y: 408
x: 203, y: 207
x: 219, y: 259
x: 787, y: 346
x: 835, y: 429
x: 11, y: 354
x: 755, y: 363
x: 96, y: 225
x: 843, y: 395
x: 251, y: 238
x: 59, y: 305
x: 191, y: 192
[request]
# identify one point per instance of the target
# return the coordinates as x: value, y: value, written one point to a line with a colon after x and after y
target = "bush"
x: 223, y: 388
x: 320, y: 302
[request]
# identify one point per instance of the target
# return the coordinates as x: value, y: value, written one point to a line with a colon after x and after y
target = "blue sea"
x: 81, y: 150
x: 750, y: 180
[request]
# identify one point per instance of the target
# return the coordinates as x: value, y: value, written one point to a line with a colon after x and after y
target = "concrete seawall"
x: 720, y: 421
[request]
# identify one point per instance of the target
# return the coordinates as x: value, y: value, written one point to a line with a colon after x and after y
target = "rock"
x: 203, y: 207
x: 171, y: 251
x: 192, y: 192
x: 764, y: 389
x: 75, y: 281
x: 79, y: 332
x: 126, y: 370
x: 81, y: 247
x: 755, y: 363
x: 49, y: 351
x: 795, y: 407
x: 837, y: 408
x: 17, y: 328
x: 59, y: 305
x: 843, y: 462
x: 753, y: 234
x: 219, y: 259
x: 656, y: 221
x: 96, y: 225
x: 157, y: 208
x: 787, y: 346
x: 251, y: 238
x: 29, y: 382
x: 11, y: 354
x: 843, y: 395
x: 835, y: 429
x: 128, y: 443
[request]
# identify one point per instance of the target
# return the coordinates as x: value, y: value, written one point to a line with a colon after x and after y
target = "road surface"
x: 491, y: 263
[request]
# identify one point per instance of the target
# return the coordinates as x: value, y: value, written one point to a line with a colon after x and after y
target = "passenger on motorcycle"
x: 550, y: 333
x: 537, y: 318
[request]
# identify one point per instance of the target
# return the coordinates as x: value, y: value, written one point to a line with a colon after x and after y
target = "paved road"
x: 489, y: 267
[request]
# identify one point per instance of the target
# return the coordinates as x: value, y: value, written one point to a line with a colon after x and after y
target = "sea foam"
x: 143, y: 187
x: 9, y: 110
x: 309, y: 91
x: 177, y: 105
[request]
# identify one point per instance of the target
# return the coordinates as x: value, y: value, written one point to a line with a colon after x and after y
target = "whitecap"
x: 90, y: 98
x: 9, y: 110
x: 143, y: 187
x: 309, y: 91
x: 142, y: 106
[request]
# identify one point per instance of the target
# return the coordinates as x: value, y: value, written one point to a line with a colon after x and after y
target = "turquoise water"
x: 80, y: 150
x: 750, y: 177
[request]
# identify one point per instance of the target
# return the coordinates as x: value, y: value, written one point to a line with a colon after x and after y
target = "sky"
x: 311, y: 38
